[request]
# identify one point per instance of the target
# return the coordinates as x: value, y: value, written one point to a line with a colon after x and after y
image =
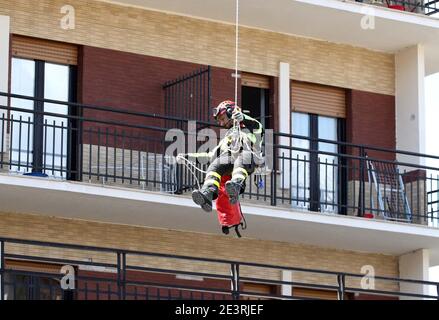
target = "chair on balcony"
x: 390, y: 191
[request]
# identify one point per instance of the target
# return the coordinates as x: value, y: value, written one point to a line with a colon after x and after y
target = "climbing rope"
x: 238, y: 138
x: 192, y: 167
x: 236, y: 49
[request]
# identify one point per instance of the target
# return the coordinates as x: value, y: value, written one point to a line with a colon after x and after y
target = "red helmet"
x: 226, y: 106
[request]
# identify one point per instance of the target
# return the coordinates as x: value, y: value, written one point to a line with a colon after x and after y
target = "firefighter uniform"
x: 239, y: 165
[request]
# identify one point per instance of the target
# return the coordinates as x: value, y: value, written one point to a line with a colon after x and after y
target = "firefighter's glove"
x: 237, y: 115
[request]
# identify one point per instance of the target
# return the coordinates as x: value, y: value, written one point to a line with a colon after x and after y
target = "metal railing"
x: 345, y: 178
x: 433, y: 203
x: 118, y: 274
x: 189, y: 96
x: 114, y: 146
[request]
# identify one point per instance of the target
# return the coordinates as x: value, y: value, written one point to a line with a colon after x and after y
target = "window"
x: 328, y: 164
x: 39, y: 143
x: 31, y: 281
x: 315, y: 175
x: 43, y: 69
x: 22, y: 83
x: 30, y: 287
x: 300, y: 190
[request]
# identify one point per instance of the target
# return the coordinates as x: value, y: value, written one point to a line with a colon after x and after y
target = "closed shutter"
x: 255, y: 80
x: 318, y: 99
x: 32, y: 266
x: 46, y: 50
x: 314, y: 294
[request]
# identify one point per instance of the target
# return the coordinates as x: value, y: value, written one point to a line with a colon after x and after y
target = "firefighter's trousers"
x: 239, y: 167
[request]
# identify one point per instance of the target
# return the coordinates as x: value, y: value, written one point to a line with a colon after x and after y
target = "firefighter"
x: 227, y: 158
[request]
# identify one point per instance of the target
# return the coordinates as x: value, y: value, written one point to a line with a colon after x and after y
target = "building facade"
x: 89, y: 89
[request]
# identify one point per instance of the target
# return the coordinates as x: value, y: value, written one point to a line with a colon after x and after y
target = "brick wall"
x: 134, y: 82
x: 130, y: 81
x: 223, y: 86
x: 129, y: 29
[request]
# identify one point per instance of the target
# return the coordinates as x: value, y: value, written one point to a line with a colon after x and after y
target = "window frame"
x: 73, y: 164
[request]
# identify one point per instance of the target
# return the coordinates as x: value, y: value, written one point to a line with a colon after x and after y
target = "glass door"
x: 21, y: 122
x: 56, y: 87
x: 300, y: 161
x: 39, y: 142
x: 328, y: 164
x: 314, y: 173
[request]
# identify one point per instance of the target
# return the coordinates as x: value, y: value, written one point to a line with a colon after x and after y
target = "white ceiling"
x: 329, y: 20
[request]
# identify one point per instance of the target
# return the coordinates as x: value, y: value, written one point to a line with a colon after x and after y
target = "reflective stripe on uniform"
x: 211, y: 181
x: 213, y: 173
x: 252, y: 138
x: 237, y: 170
x: 199, y: 155
x: 238, y: 176
x: 258, y: 130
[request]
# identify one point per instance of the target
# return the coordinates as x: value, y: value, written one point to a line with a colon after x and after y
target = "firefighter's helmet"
x: 226, y: 107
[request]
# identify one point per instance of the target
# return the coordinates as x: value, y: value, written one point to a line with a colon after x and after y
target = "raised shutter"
x: 314, y: 293
x: 255, y: 80
x: 47, y: 50
x: 318, y: 99
x: 32, y: 266
x: 258, y: 288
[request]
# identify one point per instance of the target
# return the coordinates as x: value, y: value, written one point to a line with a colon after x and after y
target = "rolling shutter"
x: 318, y: 99
x: 257, y: 288
x: 32, y: 266
x: 315, y: 294
x: 255, y: 80
x: 46, y: 50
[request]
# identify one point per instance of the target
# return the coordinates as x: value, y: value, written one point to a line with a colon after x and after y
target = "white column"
x: 410, y: 102
x: 2, y: 294
x: 284, y: 97
x: 414, y: 265
x: 4, y: 53
x: 4, y: 64
x: 284, y: 117
x: 286, y: 289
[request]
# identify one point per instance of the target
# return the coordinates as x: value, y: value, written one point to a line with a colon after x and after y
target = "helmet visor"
x: 215, y: 112
x: 218, y: 111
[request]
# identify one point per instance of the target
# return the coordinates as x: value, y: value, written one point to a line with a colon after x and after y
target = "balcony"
x: 303, y: 174
x: 422, y: 7
x: 109, y: 164
x: 327, y: 20
x: 100, y: 273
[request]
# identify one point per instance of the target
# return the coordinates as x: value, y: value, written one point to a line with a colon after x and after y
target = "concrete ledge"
x: 84, y: 201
